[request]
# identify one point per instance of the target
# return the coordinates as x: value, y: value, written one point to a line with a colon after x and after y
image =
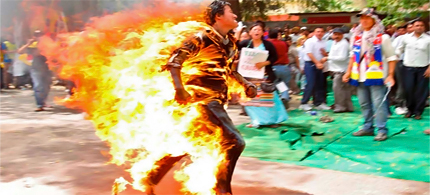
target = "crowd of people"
x: 368, y: 59
x: 383, y: 66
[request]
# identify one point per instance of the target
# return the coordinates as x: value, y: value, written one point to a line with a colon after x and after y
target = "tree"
x: 327, y: 5
x: 398, y: 10
x: 253, y: 9
x: 256, y: 9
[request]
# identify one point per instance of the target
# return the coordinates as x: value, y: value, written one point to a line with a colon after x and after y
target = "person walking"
x: 40, y: 73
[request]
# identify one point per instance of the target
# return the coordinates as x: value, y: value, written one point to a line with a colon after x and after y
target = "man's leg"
x: 400, y: 96
x: 47, y: 84
x: 310, y: 70
x: 283, y: 73
x: 379, y: 106
x: 6, y: 75
x: 340, y: 94
x: 1, y: 78
x: 320, y: 92
x: 365, y: 100
x: 409, y: 77
x: 302, y: 82
x: 164, y: 166
x: 294, y: 80
x: 38, y: 87
x: 233, y: 143
x: 421, y: 91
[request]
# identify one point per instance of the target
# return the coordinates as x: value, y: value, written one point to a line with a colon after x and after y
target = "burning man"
x: 211, y: 53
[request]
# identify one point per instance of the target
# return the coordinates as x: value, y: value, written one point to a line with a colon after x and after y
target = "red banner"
x: 329, y: 20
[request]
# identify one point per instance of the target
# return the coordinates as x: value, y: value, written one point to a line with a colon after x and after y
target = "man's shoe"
x: 39, y: 109
x: 323, y: 107
x: 401, y: 110
x: 408, y: 115
x: 305, y: 107
x: 243, y: 114
x: 381, y: 137
x: 339, y: 111
x: 417, y: 117
x: 363, y: 133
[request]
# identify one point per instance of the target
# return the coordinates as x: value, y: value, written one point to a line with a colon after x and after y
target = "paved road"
x: 56, y: 152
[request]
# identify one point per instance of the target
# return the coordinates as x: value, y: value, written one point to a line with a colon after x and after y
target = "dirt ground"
x: 56, y: 152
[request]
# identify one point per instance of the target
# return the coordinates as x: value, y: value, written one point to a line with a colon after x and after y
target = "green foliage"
x: 398, y: 10
x: 252, y: 9
x: 327, y: 5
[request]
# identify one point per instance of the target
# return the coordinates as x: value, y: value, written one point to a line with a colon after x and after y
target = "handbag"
x: 267, y: 87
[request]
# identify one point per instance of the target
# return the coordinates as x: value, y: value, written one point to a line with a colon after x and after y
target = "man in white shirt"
x: 338, y: 59
x: 314, y: 48
x: 371, y: 68
x: 416, y: 69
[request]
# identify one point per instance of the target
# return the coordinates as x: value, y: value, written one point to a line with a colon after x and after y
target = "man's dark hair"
x: 318, y: 27
x: 216, y: 8
x: 400, y: 27
x: 273, y: 33
x: 418, y: 20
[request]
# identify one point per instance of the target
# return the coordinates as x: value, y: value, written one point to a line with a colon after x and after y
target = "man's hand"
x: 389, y: 81
x: 427, y: 73
x: 319, y: 65
x: 259, y: 65
x: 346, y: 77
x: 324, y: 60
x: 251, y: 91
x: 323, y: 52
x: 30, y: 41
x: 182, y: 96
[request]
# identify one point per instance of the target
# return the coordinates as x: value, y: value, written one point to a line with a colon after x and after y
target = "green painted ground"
x: 303, y: 140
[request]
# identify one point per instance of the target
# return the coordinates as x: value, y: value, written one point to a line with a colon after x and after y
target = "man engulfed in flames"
x: 211, y: 54
x: 116, y: 64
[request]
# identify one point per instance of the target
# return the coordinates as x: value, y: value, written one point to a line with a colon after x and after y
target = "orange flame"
x: 115, y: 63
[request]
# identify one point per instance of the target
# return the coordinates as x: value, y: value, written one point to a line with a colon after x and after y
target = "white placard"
x: 281, y: 87
x: 248, y: 58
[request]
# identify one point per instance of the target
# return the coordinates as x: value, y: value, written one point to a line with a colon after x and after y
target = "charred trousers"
x: 233, y: 142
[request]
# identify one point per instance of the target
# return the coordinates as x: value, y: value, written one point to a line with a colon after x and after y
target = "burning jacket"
x: 206, y: 62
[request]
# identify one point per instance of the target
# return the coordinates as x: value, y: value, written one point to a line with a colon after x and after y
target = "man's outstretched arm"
x: 250, y: 89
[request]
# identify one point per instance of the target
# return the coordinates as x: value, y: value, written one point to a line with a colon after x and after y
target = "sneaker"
x: 305, y: 107
x: 381, y: 137
x: 401, y: 110
x: 323, y: 107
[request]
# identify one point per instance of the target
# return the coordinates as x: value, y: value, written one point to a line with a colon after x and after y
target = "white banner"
x: 248, y: 58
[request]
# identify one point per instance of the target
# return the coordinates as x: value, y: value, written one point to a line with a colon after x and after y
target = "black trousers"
x: 232, y: 142
x: 416, y: 88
